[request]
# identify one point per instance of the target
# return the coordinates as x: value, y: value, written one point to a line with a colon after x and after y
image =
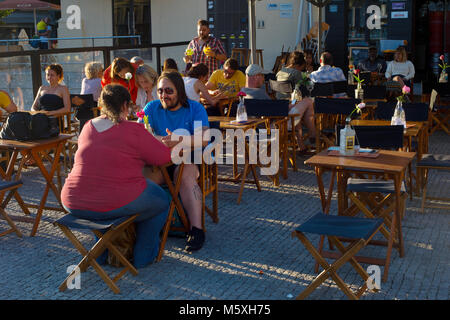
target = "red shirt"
x: 107, y: 173
x: 130, y: 85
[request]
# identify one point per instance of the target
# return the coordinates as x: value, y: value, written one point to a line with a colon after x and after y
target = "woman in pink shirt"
x: 107, y: 182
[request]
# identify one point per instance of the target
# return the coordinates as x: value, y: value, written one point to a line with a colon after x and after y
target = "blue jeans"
x: 152, y: 206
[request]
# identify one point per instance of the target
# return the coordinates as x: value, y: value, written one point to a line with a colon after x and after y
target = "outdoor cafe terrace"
x: 253, y: 251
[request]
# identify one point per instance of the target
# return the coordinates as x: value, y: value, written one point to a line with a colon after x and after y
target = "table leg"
x: 48, y: 175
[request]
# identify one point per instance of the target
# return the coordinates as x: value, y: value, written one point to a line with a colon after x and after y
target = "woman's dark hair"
x: 118, y: 65
x: 197, y: 71
x: 58, y: 69
x: 111, y: 100
x: 170, y: 64
x: 202, y: 22
x: 296, y: 58
x: 178, y: 83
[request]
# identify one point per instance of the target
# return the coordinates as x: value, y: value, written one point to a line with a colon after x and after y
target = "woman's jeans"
x: 152, y: 206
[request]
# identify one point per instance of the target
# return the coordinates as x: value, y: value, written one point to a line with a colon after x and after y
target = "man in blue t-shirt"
x: 175, y: 119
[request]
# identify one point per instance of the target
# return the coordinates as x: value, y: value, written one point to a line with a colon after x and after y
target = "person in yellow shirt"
x: 44, y: 31
x: 6, y: 102
x: 227, y: 81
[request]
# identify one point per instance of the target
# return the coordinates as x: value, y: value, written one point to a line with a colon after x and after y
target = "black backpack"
x: 24, y: 126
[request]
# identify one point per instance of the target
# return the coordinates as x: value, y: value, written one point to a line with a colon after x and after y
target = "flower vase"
x: 443, y: 77
x: 359, y: 92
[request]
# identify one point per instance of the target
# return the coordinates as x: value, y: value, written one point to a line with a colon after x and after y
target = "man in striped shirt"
x: 197, y: 51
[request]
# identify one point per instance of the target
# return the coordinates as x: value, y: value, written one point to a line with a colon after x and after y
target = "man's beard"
x: 170, y: 106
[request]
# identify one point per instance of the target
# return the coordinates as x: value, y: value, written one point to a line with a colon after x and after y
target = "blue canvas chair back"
x: 375, y: 92
x: 340, y: 86
x: 413, y: 111
x: 267, y: 108
x: 443, y: 89
x: 335, y: 105
x: 322, y: 90
x: 281, y: 86
x: 377, y: 137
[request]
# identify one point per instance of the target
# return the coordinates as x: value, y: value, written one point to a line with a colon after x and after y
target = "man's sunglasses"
x: 166, y: 90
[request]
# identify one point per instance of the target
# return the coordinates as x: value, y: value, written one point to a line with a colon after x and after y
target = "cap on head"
x: 255, y: 69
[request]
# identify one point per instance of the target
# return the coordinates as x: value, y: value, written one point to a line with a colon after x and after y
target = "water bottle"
x: 399, y: 116
x: 241, y: 113
x: 347, y: 139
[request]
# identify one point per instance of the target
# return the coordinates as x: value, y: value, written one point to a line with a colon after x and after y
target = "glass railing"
x: 73, y: 65
x: 15, y: 78
x: 22, y: 73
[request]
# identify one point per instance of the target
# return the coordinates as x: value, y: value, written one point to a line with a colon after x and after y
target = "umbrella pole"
x: 35, y: 24
x: 319, y: 33
x: 251, y: 10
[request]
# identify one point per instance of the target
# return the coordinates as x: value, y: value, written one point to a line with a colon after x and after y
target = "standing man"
x: 171, y: 112
x: 205, y: 49
x: 44, y: 30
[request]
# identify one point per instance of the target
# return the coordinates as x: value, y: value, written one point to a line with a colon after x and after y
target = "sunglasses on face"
x: 166, y: 90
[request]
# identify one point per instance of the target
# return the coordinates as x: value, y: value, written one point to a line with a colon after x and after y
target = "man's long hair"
x: 177, y: 80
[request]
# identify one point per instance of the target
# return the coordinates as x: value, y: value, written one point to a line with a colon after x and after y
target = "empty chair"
x: 377, y: 137
x: 328, y: 113
x: 360, y: 230
x: 10, y: 187
x: 424, y: 165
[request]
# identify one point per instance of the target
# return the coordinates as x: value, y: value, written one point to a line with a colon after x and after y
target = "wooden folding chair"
x: 439, y: 114
x: 208, y: 182
x: 328, y: 113
x: 106, y: 231
x: 10, y: 187
x: 361, y: 230
x: 432, y: 162
x: 276, y: 113
x: 375, y: 198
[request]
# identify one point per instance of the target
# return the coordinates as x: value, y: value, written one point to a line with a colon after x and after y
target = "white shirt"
x: 190, y: 90
x: 406, y: 69
x: 141, y: 98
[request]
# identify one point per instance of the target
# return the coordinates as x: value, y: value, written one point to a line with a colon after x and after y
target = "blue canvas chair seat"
x: 106, y: 231
x: 340, y: 226
x: 432, y: 162
x: 360, y: 230
x: 10, y: 187
x: 71, y: 221
x: 372, y: 185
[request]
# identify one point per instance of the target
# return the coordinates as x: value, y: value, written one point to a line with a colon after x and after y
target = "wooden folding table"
x: 36, y: 150
x: 393, y: 163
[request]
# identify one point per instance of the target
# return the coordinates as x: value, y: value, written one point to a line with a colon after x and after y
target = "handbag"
x: 24, y: 126
x: 124, y: 242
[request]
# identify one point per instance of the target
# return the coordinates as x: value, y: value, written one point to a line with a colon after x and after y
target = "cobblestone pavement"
x: 249, y: 254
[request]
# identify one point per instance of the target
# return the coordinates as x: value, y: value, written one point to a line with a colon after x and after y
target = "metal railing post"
x: 36, y: 71
x: 158, y: 59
